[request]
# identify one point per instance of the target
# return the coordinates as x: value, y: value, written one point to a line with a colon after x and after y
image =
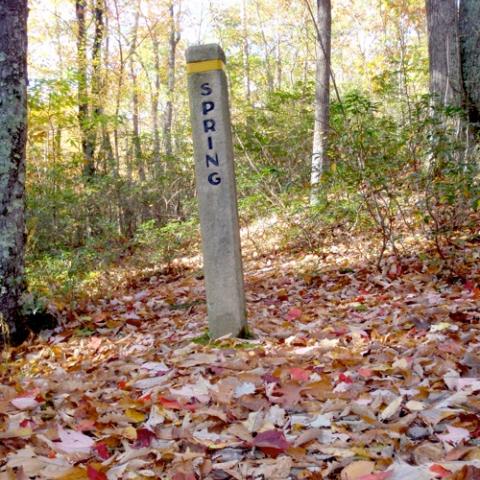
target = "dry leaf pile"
x: 352, y: 375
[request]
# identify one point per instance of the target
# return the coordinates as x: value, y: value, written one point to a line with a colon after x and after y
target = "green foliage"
x: 273, y: 142
x: 167, y: 242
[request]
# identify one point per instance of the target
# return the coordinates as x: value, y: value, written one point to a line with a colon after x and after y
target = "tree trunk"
x: 118, y: 98
x: 444, y: 52
x: 98, y: 90
x: 470, y: 47
x: 320, y: 159
x: 88, y: 146
x: 155, y: 101
x: 174, y: 38
x: 246, y: 53
x: 137, y: 146
x: 13, y: 137
x: 279, y: 64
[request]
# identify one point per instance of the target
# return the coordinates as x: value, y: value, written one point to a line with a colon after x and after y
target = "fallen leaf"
x: 392, y: 408
x: 144, y: 437
x: 271, y: 442
x: 245, y: 388
x: 135, y: 416
x: 102, y: 450
x: 468, y: 472
x: 74, y: 442
x: 299, y: 374
x: 455, y: 435
x: 356, y: 470
x: 94, y: 474
x: 377, y: 476
x: 440, y: 471
x: 24, y: 403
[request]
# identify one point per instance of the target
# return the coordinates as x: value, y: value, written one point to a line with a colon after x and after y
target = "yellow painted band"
x: 206, y: 66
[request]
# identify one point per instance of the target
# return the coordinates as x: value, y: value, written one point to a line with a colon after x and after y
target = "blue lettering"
x: 209, y: 125
x: 211, y: 160
x: 210, y: 143
x: 207, y: 107
x: 214, y: 179
x: 206, y: 90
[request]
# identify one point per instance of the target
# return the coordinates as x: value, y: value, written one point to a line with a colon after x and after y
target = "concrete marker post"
x: 216, y: 190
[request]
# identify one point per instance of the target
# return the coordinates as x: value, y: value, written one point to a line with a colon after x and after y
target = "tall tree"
x: 82, y: 80
x: 137, y: 145
x: 444, y: 52
x: 155, y: 99
x: 173, y: 39
x: 89, y: 101
x: 320, y: 159
x: 469, y: 49
x: 246, y: 52
x: 13, y: 135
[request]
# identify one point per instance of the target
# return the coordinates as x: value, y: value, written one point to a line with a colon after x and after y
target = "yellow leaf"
x: 75, y: 473
x: 129, y: 432
x: 135, y: 416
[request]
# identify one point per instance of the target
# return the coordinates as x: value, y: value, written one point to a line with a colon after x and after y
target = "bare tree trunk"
x: 97, y: 109
x: 137, y: 147
x: 278, y: 48
x: 246, y: 52
x: 83, y: 105
x: 174, y: 38
x: 13, y: 137
x: 98, y: 88
x: 320, y: 159
x: 121, y: 74
x: 444, y: 52
x: 470, y: 46
x: 106, y: 147
x: 155, y: 101
x: 267, y: 51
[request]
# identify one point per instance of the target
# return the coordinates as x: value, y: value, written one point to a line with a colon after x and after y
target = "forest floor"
x: 353, y: 374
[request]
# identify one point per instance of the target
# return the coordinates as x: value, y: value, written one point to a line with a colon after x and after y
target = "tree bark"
x: 320, y: 159
x: 174, y: 38
x: 155, y: 102
x: 137, y: 146
x: 444, y: 52
x: 13, y: 137
x: 246, y: 53
x: 118, y: 98
x: 469, y: 16
x: 88, y: 147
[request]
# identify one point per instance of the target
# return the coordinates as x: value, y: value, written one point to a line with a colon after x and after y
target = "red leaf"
x: 376, y: 476
x: 102, y: 450
x: 94, y: 474
x: 184, y: 476
x: 345, y: 378
x: 469, y: 285
x: 271, y: 442
x: 27, y: 423
x: 340, y: 331
x: 171, y: 404
x: 440, y: 471
x: 85, y: 425
x: 144, y: 437
x: 365, y: 372
x: 294, y: 314
x: 299, y: 374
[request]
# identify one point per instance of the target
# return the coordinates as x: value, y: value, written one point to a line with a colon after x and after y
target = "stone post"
x: 216, y: 191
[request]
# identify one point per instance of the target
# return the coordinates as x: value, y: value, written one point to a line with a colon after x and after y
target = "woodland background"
x: 110, y: 157
x: 360, y: 235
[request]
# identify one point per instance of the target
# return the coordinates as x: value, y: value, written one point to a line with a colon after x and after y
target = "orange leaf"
x: 440, y: 471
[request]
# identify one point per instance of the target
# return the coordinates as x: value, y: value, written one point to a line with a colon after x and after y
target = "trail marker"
x: 216, y: 190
